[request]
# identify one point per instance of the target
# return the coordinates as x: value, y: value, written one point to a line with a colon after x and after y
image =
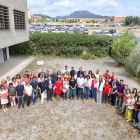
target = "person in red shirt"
x: 106, y: 92
x: 25, y: 78
x: 112, y: 77
x: 107, y: 73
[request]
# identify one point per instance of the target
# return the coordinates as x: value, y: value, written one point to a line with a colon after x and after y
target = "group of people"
x: 103, y: 89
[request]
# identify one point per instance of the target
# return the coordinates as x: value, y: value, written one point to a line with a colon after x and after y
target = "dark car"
x: 112, y: 31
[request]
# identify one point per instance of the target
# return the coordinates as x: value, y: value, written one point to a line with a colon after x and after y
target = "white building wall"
x: 11, y: 37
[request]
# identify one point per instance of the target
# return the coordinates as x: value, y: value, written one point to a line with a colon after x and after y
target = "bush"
x: 132, y: 63
x: 86, y: 56
x: 59, y: 44
x: 122, y: 47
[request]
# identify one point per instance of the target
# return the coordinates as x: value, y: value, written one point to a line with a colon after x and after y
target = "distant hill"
x: 82, y: 14
x: 44, y: 15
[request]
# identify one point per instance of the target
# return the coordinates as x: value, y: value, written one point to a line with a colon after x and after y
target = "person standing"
x: 80, y: 84
x: 26, y: 73
x: 14, y: 82
x: 4, y: 97
x: 90, y: 73
x: 3, y: 82
x: 28, y: 93
x: 75, y: 75
x: 113, y: 75
x: 65, y: 88
x: 42, y: 87
x: 47, y: 75
x: 25, y: 79
x: 130, y: 107
x: 104, y: 75
x: 80, y: 72
x: 114, y: 80
x: 20, y: 92
x: 34, y: 85
x: 97, y: 74
x: 8, y: 81
x: 114, y: 93
x: 49, y: 88
x: 120, y: 94
x: 93, y: 88
x: 12, y: 94
x: 18, y: 78
x: 66, y: 70
x: 87, y: 87
x: 72, y: 72
x: 43, y: 73
x: 100, y: 86
x: 58, y: 86
x: 85, y: 76
x: 137, y: 110
x: 59, y: 74
x: 32, y: 75
x: 106, y: 92
x: 72, y: 84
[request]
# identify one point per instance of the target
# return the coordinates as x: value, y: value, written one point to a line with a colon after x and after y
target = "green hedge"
x: 64, y: 44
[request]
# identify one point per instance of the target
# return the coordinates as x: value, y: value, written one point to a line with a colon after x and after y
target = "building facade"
x: 29, y: 13
x: 13, y: 25
x: 117, y: 18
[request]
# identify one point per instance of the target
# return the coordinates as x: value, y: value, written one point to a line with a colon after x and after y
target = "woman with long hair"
x: 90, y: 73
x: 4, y: 97
x: 3, y: 82
x: 72, y: 84
x: 93, y: 88
x: 114, y: 93
x: 58, y: 88
x: 18, y: 78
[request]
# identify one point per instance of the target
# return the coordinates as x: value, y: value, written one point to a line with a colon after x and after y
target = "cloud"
x: 65, y: 7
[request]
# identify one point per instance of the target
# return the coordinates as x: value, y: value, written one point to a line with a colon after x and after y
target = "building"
x: 35, y: 18
x: 29, y: 13
x: 13, y: 25
x: 117, y: 18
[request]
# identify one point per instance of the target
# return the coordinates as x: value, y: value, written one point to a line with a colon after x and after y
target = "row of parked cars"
x: 57, y: 29
x: 111, y: 32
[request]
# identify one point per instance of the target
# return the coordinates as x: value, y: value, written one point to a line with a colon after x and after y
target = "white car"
x: 117, y: 34
x: 62, y: 31
x: 107, y: 33
x: 45, y: 31
x: 53, y: 30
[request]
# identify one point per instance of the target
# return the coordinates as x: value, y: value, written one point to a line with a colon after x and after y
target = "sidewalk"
x: 13, y: 66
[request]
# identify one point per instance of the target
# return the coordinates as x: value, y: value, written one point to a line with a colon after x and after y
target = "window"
x: 4, y: 18
x: 19, y: 19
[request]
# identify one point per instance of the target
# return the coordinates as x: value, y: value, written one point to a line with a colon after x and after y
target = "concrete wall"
x: 1, y: 54
x: 11, y: 37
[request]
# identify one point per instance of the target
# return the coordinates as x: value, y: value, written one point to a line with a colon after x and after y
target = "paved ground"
x: 71, y: 120
x: 13, y: 66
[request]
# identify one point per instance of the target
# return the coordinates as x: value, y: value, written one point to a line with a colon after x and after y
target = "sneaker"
x: 4, y: 110
x: 136, y: 124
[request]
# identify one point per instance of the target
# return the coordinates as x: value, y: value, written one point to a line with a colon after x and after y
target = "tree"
x: 43, y: 17
x: 128, y: 20
x: 122, y: 47
x: 57, y: 20
x: 106, y: 20
x: 53, y: 19
x: 78, y: 20
x: 93, y: 21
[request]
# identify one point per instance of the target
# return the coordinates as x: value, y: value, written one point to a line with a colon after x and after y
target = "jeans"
x: 28, y: 99
x: 80, y: 89
x: 93, y: 90
x: 86, y: 92
x: 49, y: 94
x: 65, y: 95
x: 113, y: 99
x: 136, y: 117
x: 34, y: 97
x: 22, y: 100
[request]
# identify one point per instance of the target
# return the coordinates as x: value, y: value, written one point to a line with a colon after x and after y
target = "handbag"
x: 64, y: 90
x: 120, y: 95
x: 10, y: 99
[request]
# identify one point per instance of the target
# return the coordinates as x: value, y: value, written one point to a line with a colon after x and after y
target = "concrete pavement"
x: 13, y: 66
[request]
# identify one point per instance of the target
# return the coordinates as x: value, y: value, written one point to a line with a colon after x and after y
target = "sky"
x: 55, y: 8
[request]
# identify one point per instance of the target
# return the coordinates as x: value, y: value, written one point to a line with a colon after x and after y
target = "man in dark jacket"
x: 49, y: 88
x: 54, y: 77
x: 42, y: 72
x: 80, y: 72
x: 72, y: 72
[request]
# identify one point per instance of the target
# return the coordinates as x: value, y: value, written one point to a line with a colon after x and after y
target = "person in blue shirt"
x: 20, y: 92
x: 34, y: 85
x: 49, y: 88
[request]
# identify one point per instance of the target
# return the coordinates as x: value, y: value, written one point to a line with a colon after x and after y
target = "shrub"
x: 64, y: 44
x: 122, y: 47
x: 132, y: 63
x: 93, y: 56
x: 86, y: 56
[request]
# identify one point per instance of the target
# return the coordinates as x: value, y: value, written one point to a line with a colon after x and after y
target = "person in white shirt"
x: 14, y: 82
x: 100, y: 86
x: 130, y: 107
x: 100, y: 76
x: 80, y: 83
x: 75, y: 76
x: 87, y: 87
x: 28, y: 93
x: 8, y: 80
x: 66, y: 70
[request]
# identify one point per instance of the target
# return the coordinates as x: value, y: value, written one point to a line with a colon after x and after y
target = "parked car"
x: 30, y: 32
x: 62, y: 31
x: 104, y: 30
x: 35, y: 31
x: 130, y: 33
x: 85, y: 31
x: 107, y: 33
x: 80, y: 31
x: 112, y: 31
x: 45, y: 30
x: 53, y: 30
x: 117, y: 34
x: 96, y: 33
x: 70, y: 31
